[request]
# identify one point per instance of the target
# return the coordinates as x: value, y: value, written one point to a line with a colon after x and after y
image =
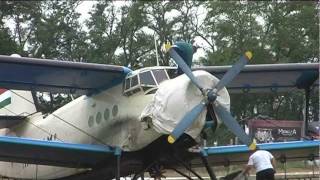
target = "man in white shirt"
x: 264, y: 163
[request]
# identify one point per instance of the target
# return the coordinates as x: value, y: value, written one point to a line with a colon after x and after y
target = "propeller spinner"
x: 209, y: 95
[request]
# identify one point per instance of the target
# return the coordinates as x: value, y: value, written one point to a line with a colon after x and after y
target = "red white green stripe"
x: 5, y: 98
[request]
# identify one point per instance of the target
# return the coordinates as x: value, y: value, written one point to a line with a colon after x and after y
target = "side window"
x: 160, y: 75
x: 146, y: 78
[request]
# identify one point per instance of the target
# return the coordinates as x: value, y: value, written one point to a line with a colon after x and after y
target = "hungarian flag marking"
x: 5, y: 98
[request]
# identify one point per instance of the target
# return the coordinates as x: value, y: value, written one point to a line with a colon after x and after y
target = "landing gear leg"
x: 136, y: 176
x: 141, y: 173
x: 181, y: 173
x: 283, y: 160
x: 312, y: 159
x: 204, y: 156
x: 118, y: 155
x: 188, y: 168
x: 156, y: 171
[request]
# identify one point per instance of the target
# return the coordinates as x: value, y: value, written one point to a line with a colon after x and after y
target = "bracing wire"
x: 28, y: 121
x: 61, y: 119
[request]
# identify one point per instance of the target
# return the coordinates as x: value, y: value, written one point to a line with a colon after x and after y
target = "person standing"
x: 264, y: 163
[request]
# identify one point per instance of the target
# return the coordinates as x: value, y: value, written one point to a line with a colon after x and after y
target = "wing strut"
x: 118, y: 154
x: 307, y: 104
x: 305, y: 81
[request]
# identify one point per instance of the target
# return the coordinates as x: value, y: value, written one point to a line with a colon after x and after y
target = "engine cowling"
x: 177, y: 96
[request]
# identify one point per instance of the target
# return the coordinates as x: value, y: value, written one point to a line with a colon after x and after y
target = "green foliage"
x: 22, y: 15
x: 58, y: 33
x: 55, y: 101
x: 123, y: 34
x: 103, y: 34
x: 275, y: 32
x: 220, y: 137
x: 7, y: 44
x: 135, y: 43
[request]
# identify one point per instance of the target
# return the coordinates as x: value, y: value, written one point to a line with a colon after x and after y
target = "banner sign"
x: 275, y: 130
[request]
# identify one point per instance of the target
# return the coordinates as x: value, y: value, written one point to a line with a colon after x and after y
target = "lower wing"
x: 31, y: 151
x: 282, y: 151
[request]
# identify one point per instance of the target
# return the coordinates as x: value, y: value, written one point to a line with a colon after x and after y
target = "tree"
x: 22, y: 15
x: 57, y: 32
x: 7, y: 44
x: 231, y: 28
x: 103, y: 37
x: 293, y: 30
x: 276, y: 33
x: 135, y: 43
x: 162, y: 24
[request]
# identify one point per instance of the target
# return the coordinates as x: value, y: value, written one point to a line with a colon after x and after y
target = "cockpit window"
x: 134, y: 81
x: 160, y: 75
x: 145, y: 81
x: 127, y: 83
x: 146, y: 78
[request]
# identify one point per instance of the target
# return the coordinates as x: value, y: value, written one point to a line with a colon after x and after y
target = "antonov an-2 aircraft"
x: 130, y: 122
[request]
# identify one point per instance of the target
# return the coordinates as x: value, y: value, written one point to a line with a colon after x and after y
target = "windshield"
x: 146, y: 78
x: 160, y: 75
x: 146, y: 81
x: 134, y: 81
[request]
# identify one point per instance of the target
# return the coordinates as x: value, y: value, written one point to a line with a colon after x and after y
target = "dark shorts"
x: 267, y: 174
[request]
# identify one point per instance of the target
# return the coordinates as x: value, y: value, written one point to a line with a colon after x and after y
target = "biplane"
x: 129, y: 122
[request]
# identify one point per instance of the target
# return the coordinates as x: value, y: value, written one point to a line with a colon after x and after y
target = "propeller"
x: 210, y: 96
x: 184, y: 67
x: 187, y: 120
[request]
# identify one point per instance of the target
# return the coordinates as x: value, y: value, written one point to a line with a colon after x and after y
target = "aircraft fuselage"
x: 110, y: 118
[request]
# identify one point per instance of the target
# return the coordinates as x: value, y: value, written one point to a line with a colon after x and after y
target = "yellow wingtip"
x: 171, y: 139
x: 253, y: 145
x: 249, y: 55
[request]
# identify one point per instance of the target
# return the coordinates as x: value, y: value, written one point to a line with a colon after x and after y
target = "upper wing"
x: 269, y: 77
x: 58, y: 76
x: 239, y: 154
x: 30, y: 151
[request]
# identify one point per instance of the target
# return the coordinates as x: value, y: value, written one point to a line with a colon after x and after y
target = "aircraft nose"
x: 175, y: 97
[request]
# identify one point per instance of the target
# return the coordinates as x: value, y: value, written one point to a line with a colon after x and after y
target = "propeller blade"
x: 184, y: 67
x: 186, y: 121
x: 234, y: 71
x: 231, y: 123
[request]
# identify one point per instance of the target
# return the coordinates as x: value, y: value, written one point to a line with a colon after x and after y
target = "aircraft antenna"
x: 155, y: 46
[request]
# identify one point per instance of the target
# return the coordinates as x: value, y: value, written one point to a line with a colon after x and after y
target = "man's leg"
x: 260, y: 176
x: 270, y: 174
x: 267, y: 174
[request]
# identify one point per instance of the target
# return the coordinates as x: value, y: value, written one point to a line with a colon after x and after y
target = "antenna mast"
x: 155, y: 45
